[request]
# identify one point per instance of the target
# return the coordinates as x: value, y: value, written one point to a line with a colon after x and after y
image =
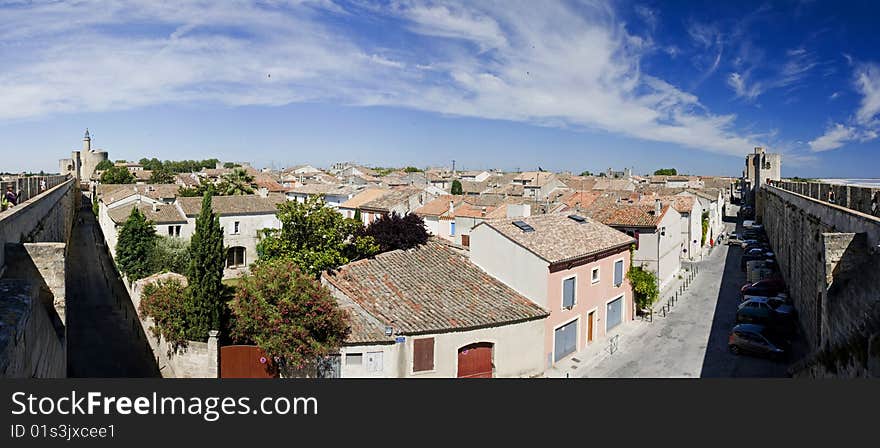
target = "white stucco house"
x: 433, y: 315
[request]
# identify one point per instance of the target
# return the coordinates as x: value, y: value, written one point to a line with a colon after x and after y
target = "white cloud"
x: 739, y: 84
x: 868, y: 84
x: 551, y: 66
x: 834, y: 137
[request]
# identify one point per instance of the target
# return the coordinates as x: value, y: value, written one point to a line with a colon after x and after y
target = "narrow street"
x: 101, y: 342
x: 691, y: 341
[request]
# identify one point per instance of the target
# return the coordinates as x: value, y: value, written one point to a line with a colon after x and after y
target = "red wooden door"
x: 245, y: 361
x: 475, y: 361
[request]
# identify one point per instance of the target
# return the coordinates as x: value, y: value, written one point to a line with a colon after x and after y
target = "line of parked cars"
x: 765, y: 317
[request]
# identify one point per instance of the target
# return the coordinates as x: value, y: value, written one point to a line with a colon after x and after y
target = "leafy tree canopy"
x: 412, y: 169
x: 586, y: 173
x: 397, y: 232
x: 314, y: 237
x: 136, y: 240
x: 117, y: 175
x: 161, y: 176
x: 104, y: 165
x: 666, y: 172
x: 456, y: 187
x: 288, y: 314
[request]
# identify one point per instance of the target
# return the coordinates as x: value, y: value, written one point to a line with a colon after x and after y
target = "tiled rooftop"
x: 394, y: 197
x: 249, y: 204
x: 559, y: 238
x: 625, y: 215
x: 363, y: 197
x: 431, y: 288
x: 164, y: 214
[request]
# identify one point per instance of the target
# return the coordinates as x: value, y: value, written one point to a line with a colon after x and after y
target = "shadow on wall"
x: 22, y: 263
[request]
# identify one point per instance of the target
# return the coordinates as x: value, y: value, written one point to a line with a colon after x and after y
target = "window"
x: 235, y: 257
x: 452, y: 228
x: 423, y: 354
x: 170, y: 230
x: 568, y: 292
x: 595, y: 275
x: 354, y: 359
x: 618, y: 272
x: 374, y: 361
x: 235, y: 227
x: 177, y: 230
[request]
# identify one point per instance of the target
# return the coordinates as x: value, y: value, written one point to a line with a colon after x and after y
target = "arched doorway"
x: 475, y: 360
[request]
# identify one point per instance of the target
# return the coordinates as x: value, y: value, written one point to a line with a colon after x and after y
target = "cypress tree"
x: 456, y: 187
x: 357, y: 215
x: 205, y: 273
x: 136, y: 240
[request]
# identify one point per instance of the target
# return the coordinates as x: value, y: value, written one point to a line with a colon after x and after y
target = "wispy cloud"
x: 739, y: 83
x: 552, y: 66
x: 864, y: 125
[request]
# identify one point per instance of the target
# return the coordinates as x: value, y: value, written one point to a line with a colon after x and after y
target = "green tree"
x: 412, y: 169
x: 95, y: 207
x: 314, y: 237
x: 666, y: 172
x: 357, y: 215
x: 586, y: 173
x: 104, y: 165
x: 197, y: 191
x: 137, y: 239
x: 170, y: 254
x: 161, y: 176
x: 397, y: 232
x: 165, y: 302
x: 117, y: 175
x: 237, y: 182
x: 231, y: 165
x: 644, y: 284
x: 456, y: 187
x: 205, y: 273
x: 288, y: 314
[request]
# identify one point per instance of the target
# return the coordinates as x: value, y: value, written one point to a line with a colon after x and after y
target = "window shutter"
x: 568, y: 293
x: 618, y: 273
x: 423, y: 354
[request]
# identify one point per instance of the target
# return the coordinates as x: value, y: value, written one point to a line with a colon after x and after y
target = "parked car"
x: 767, y: 287
x: 747, y: 258
x: 758, y: 340
x: 760, y: 310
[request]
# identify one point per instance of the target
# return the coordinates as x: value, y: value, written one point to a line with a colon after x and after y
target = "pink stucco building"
x: 575, y: 267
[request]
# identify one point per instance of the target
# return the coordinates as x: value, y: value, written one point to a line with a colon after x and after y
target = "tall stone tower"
x: 82, y: 163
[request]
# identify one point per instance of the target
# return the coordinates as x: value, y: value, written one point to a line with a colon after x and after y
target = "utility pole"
x: 453, y: 168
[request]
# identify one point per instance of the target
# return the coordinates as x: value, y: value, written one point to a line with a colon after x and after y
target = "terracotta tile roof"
x: 187, y: 179
x: 322, y: 188
x: 364, y: 329
x: 438, y: 206
x: 559, y: 238
x: 110, y: 193
x: 247, y: 204
x: 535, y: 178
x: 267, y: 182
x: 681, y: 204
x: 613, y: 184
x: 625, y: 215
x: 164, y: 214
x: 581, y: 199
x: 578, y: 182
x: 429, y: 289
x: 363, y: 197
x: 388, y: 201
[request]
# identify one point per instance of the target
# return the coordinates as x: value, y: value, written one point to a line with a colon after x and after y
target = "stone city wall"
x: 828, y: 255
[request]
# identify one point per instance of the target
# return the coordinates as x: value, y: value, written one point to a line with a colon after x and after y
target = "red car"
x: 767, y: 287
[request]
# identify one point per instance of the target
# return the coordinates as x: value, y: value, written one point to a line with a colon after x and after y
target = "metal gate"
x: 245, y: 361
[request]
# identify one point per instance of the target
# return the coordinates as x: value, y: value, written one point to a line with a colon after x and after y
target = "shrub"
x: 287, y: 313
x: 165, y: 302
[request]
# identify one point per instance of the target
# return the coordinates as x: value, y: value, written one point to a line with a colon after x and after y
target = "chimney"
x: 657, y: 207
x: 155, y: 207
x: 483, y: 211
x: 451, y: 206
x: 263, y: 192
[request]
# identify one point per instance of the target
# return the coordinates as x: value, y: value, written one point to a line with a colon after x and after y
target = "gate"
x: 245, y: 361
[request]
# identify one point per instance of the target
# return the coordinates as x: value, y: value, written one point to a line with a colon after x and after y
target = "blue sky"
x: 491, y: 84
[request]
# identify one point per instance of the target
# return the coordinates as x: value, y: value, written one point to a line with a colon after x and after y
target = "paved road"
x: 100, y: 340
x: 692, y: 340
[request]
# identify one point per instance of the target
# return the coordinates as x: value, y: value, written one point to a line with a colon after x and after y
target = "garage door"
x: 565, y: 340
x: 614, y: 313
x: 475, y: 361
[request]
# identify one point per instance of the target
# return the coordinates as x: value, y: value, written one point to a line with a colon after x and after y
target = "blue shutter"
x: 452, y: 228
x: 566, y: 341
x: 614, y: 314
x: 568, y: 293
x: 618, y: 273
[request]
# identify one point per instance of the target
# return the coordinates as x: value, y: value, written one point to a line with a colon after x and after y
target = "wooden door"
x: 475, y: 361
x: 590, y: 327
x: 245, y: 361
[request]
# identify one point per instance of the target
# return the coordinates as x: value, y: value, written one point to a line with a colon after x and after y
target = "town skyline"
x: 636, y: 84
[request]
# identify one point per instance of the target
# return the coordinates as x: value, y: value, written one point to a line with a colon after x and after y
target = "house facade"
x: 434, y: 314
x: 574, y: 267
